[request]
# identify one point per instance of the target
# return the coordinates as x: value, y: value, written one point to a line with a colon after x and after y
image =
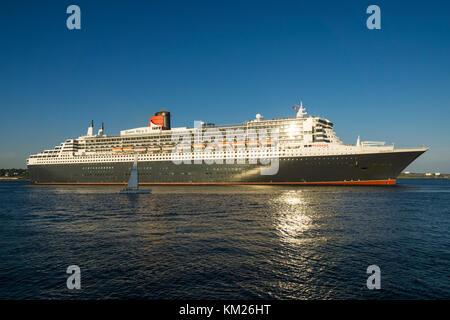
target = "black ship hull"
x: 373, y: 168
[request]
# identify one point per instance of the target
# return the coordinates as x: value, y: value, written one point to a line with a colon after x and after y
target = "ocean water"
x: 226, y: 242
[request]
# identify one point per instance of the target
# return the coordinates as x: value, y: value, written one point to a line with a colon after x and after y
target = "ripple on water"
x: 226, y: 242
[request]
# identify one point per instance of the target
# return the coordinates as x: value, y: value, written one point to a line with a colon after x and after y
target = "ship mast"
x: 301, y: 111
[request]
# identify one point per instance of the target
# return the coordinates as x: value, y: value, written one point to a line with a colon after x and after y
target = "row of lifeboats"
x: 235, y: 142
x: 157, y: 148
x: 129, y: 149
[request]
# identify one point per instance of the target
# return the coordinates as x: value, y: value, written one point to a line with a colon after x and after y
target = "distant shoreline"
x: 13, y: 179
x: 422, y: 176
x: 436, y: 178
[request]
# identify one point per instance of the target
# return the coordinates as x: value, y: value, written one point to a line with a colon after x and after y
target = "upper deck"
x: 300, y: 135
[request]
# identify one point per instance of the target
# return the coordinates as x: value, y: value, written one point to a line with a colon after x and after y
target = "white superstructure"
x: 289, y: 137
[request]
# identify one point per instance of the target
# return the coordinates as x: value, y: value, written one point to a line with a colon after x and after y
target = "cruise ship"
x: 300, y: 150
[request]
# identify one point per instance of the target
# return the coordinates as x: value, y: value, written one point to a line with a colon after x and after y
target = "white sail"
x: 133, y: 181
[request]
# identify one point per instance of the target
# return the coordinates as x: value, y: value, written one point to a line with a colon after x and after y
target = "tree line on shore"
x: 18, y: 173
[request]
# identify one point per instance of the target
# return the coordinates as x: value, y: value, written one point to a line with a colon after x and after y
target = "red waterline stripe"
x: 364, y: 182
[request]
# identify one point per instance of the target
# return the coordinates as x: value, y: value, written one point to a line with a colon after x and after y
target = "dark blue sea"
x: 226, y: 242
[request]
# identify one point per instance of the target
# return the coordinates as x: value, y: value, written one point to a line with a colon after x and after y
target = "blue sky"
x: 223, y: 62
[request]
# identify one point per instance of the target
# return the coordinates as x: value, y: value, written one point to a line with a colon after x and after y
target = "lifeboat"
x: 140, y: 149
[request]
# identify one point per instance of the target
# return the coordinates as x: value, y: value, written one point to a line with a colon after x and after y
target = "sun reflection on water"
x: 295, y: 221
x: 293, y: 216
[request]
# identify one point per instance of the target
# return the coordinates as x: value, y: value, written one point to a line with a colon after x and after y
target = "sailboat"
x: 133, y: 182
